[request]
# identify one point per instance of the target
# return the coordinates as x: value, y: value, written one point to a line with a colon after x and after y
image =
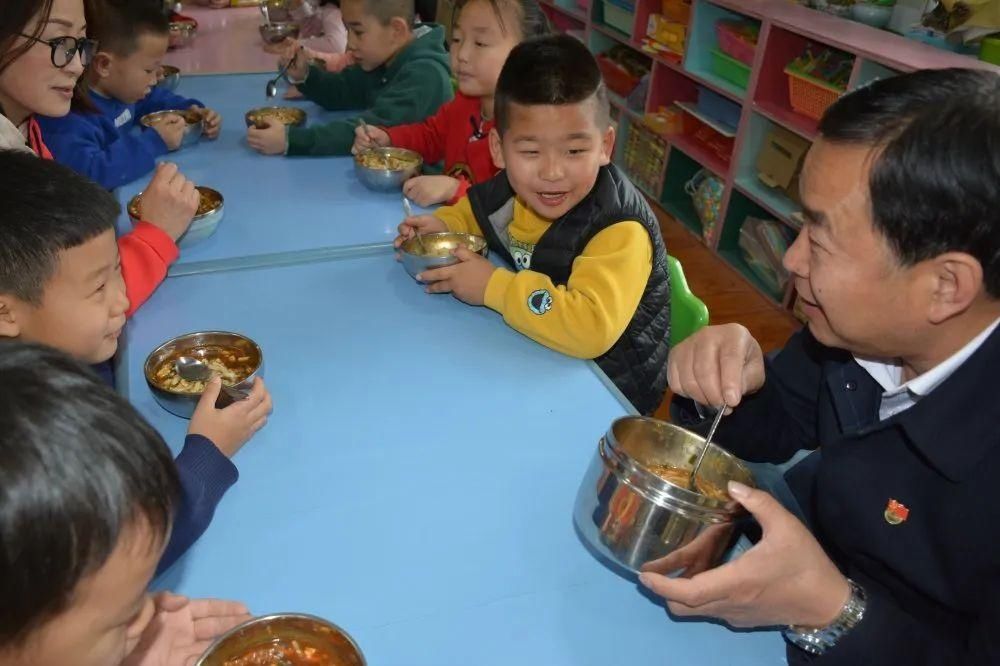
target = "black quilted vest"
x: 637, y: 362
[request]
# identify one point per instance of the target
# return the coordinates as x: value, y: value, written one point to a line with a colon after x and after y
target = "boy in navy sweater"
x: 60, y: 285
x: 104, y: 143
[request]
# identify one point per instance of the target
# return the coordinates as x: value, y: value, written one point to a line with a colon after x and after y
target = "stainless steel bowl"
x: 384, y: 179
x: 198, y: 345
x: 278, y: 31
x: 283, y: 628
x: 437, y: 250
x: 194, y: 120
x: 181, y: 34
x: 202, y: 226
x: 171, y: 77
x: 262, y: 116
x: 630, y: 515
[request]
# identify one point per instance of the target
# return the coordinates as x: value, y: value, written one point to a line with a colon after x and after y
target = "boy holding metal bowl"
x: 61, y: 285
x: 892, y: 384
x: 588, y: 270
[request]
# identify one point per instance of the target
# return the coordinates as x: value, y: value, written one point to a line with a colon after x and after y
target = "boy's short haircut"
x: 80, y: 467
x: 386, y: 10
x: 118, y: 24
x: 552, y: 70
x: 46, y: 208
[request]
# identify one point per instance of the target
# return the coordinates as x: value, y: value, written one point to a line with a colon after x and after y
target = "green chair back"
x: 688, y: 313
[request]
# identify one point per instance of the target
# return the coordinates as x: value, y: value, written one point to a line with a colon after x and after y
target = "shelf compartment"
x: 868, y: 71
x: 612, y: 15
x: 758, y: 127
x: 674, y: 199
x: 703, y: 41
x: 568, y: 8
x: 739, y: 208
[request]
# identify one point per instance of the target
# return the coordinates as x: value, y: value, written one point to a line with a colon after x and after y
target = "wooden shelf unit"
x: 785, y: 29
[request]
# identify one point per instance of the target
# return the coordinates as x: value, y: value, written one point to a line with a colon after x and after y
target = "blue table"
x: 274, y: 205
x: 416, y: 481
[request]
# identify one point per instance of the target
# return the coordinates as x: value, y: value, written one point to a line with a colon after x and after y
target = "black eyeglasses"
x: 64, y: 49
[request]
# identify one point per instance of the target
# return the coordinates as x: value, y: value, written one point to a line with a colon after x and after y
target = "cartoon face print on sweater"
x: 521, y: 253
x: 540, y: 301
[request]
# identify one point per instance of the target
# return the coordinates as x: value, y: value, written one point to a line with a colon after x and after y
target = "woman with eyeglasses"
x: 43, y: 52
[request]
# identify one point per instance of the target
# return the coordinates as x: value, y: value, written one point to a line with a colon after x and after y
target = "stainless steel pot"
x: 630, y: 515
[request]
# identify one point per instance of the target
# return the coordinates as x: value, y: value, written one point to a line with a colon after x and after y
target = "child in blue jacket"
x: 103, y: 143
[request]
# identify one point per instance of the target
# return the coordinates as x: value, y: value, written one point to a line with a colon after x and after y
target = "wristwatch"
x: 818, y: 641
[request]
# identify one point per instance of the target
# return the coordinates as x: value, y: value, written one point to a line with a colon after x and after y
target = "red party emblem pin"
x: 896, y: 512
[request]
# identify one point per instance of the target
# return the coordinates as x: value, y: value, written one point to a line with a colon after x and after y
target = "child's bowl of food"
x: 181, y: 34
x: 234, y: 357
x: 193, y: 118
x: 278, y: 31
x: 284, y: 638
x: 168, y: 77
x: 211, y: 207
x: 435, y: 250
x: 386, y: 169
x: 286, y: 115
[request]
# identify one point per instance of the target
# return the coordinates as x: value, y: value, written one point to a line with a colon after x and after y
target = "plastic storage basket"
x: 730, y: 69
x: 810, y: 96
x: 619, y: 15
x: 732, y: 44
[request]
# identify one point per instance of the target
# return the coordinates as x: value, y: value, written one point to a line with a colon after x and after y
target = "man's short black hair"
x: 935, y: 181
x: 118, y: 24
x: 549, y: 71
x: 386, y: 10
x: 80, y: 467
x: 45, y: 208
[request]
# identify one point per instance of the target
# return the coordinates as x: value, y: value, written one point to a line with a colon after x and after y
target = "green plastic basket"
x: 730, y: 69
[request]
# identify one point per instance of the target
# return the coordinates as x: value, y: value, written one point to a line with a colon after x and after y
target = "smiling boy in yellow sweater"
x: 589, y: 274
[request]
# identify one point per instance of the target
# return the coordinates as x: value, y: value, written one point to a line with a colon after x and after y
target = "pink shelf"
x: 701, y: 155
x: 801, y: 125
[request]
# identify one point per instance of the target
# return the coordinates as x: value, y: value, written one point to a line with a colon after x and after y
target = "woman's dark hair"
x: 14, y: 18
x: 532, y: 21
x: 80, y: 468
x: 934, y: 180
x: 549, y: 71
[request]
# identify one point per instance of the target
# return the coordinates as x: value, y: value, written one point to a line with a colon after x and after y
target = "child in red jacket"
x: 484, y: 33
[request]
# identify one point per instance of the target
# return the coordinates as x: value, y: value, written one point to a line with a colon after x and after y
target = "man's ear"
x: 957, y: 281
x: 496, y: 149
x: 10, y: 316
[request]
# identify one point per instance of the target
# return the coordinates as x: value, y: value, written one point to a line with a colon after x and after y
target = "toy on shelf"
x: 666, y: 121
x: 678, y: 11
x: 671, y: 34
x: 645, y: 157
x: 622, y: 69
x: 714, y: 137
x: 763, y: 244
x: 817, y: 79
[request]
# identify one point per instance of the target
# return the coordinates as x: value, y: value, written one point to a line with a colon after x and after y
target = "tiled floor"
x: 726, y: 293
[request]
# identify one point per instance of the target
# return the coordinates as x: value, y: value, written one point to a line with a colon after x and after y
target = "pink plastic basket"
x: 733, y: 45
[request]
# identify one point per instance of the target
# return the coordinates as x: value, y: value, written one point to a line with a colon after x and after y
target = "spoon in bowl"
x: 195, y: 370
x: 272, y: 86
x: 708, y: 442
x: 408, y: 209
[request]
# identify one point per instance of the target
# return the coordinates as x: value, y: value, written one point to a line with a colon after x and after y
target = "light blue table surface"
x: 273, y: 204
x: 415, y: 483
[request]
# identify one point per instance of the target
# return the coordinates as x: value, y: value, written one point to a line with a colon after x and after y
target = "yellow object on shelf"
x: 666, y: 121
x: 671, y: 34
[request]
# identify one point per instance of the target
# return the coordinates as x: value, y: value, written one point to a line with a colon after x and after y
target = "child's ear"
x: 401, y: 30
x: 607, y: 145
x: 101, y: 64
x: 10, y: 326
x: 496, y: 149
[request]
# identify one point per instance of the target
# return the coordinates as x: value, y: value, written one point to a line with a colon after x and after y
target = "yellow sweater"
x: 583, y: 318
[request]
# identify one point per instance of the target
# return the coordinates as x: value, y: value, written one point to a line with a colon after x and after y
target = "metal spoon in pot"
x: 408, y: 209
x: 195, y: 370
x: 708, y: 442
x: 272, y: 86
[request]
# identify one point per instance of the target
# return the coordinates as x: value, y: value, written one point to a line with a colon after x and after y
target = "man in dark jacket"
x: 893, y: 384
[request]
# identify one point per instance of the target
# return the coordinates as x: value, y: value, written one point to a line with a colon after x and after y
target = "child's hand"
x: 425, y: 224
x: 212, y: 121
x: 366, y: 136
x: 467, y: 279
x: 292, y: 51
x: 430, y: 190
x: 230, y: 428
x: 182, y: 629
x: 271, y: 140
x: 171, y: 131
x: 169, y: 201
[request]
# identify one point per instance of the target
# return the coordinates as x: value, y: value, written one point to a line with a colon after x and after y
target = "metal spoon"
x: 708, y: 441
x: 195, y: 370
x: 408, y: 209
x: 265, y: 12
x: 272, y: 86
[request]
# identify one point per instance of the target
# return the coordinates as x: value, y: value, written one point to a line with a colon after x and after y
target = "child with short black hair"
x: 589, y: 274
x: 483, y: 35
x: 60, y: 285
x: 87, y: 496
x: 401, y: 75
x: 102, y: 143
